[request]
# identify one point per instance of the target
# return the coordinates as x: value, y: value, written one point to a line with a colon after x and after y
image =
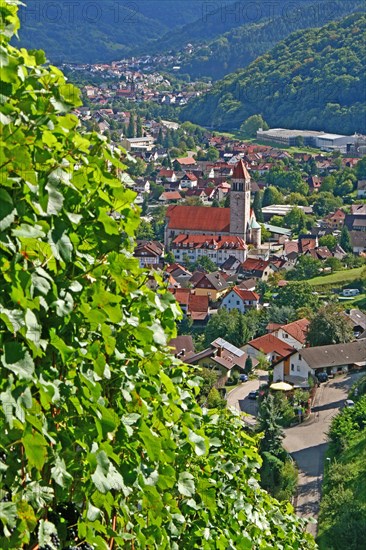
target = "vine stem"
x: 114, y: 525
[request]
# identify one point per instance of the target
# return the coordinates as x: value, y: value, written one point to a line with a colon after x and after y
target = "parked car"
x: 322, y: 376
x: 253, y: 394
x: 243, y: 378
x: 349, y: 403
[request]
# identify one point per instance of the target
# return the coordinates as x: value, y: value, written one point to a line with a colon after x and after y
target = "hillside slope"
x: 321, y: 86
x: 241, y: 45
x: 91, y: 32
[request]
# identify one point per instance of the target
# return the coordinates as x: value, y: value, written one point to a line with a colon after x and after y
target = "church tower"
x: 240, y: 202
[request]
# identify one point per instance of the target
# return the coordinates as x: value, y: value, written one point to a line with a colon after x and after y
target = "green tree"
x: 361, y: 169
x: 295, y: 219
x: 257, y: 206
x: 136, y: 167
x: 131, y: 129
x: 271, y: 196
x: 345, y: 240
x: 326, y: 202
x: 329, y: 326
x: 139, y: 130
x: 88, y: 386
x: 268, y: 423
x: 328, y: 240
x: 307, y: 267
x: 248, y: 365
x: 145, y: 231
x: 252, y: 124
x: 297, y: 295
x: 212, y: 154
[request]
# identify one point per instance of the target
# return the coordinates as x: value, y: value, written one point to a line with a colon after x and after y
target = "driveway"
x: 307, y: 444
x: 238, y: 397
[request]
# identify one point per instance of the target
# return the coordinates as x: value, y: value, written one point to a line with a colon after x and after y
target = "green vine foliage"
x: 102, y: 442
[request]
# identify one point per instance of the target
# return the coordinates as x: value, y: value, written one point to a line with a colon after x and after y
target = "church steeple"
x: 240, y: 202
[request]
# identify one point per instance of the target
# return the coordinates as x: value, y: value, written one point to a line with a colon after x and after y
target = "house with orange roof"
x: 270, y: 347
x: 193, y: 305
x: 293, y: 333
x: 170, y: 196
x: 240, y: 299
x: 186, y: 161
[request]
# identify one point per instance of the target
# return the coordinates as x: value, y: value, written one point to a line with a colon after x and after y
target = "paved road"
x: 238, y: 397
x: 307, y: 444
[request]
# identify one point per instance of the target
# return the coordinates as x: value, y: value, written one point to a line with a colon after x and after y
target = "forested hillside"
x: 315, y: 79
x: 91, y: 32
x: 242, y: 44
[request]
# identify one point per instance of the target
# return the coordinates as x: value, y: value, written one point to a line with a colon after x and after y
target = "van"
x: 350, y: 292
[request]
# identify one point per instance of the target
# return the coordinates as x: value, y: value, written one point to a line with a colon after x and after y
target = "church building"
x: 236, y: 221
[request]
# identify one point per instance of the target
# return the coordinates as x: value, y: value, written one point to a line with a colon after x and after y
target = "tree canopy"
x: 101, y: 437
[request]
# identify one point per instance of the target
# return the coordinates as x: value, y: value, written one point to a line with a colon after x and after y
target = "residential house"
x: 223, y: 358
x: 212, y: 285
x: 358, y: 241
x: 255, y: 268
x: 193, y: 305
x: 356, y: 219
x: 293, y: 333
x: 188, y: 181
x: 320, y: 253
x: 179, y: 274
x: 248, y: 284
x: 149, y: 253
x: 335, y: 220
x: 240, y: 299
x: 268, y: 346
x: 166, y: 175
x: 314, y: 183
x: 230, y: 265
x: 171, y: 197
x: 331, y: 359
x: 307, y: 242
x: 183, y: 347
x: 185, y: 162
x: 142, y: 186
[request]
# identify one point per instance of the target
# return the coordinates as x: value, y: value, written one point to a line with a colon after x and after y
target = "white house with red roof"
x: 188, y: 181
x: 240, y: 299
x: 269, y: 346
x: 237, y: 221
x: 166, y: 175
x: 294, y: 333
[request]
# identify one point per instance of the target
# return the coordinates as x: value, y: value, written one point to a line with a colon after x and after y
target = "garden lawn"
x: 338, y: 277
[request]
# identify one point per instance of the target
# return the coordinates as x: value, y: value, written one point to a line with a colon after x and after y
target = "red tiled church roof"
x: 199, y: 218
